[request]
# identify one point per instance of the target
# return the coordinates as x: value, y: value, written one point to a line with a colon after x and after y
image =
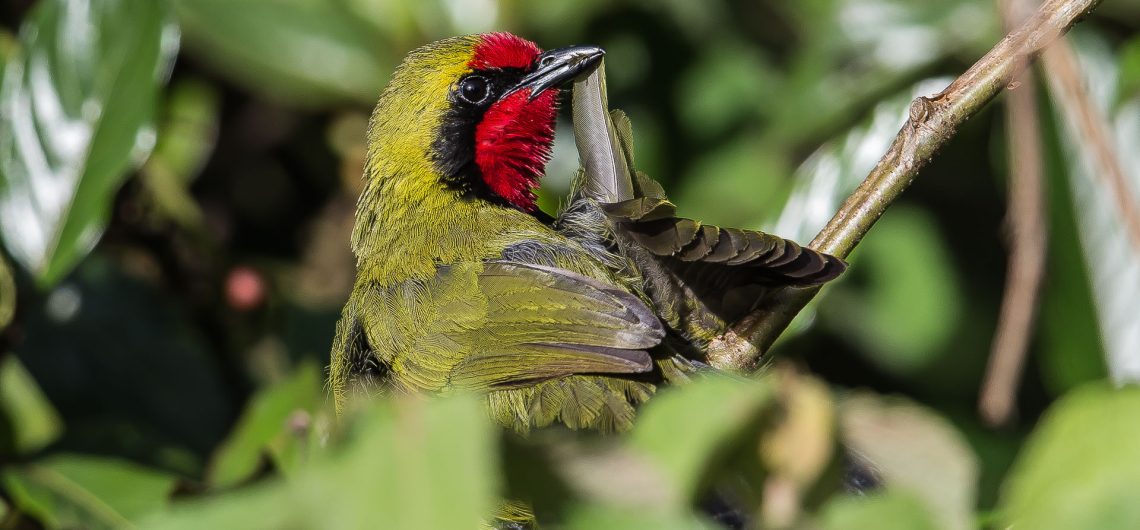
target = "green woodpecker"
x: 463, y: 283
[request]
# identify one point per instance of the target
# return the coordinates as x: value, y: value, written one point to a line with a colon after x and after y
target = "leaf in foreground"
x: 27, y: 420
x: 686, y: 429
x: 1080, y: 467
x: 76, y: 107
x: 410, y: 464
x: 74, y: 491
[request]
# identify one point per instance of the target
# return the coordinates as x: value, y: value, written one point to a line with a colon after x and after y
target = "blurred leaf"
x: 592, y: 517
x: 909, y: 308
x: 735, y: 185
x: 8, y: 48
x: 915, y: 451
x: 265, y: 428
x: 7, y: 294
x: 27, y: 420
x: 854, y: 51
x: 186, y: 138
x: 1130, y: 69
x: 1079, y: 468
x: 413, y: 464
x: 687, y: 430
x: 802, y: 443
x: 77, y: 103
x: 1071, y: 352
x: 1112, y: 257
x: 881, y: 511
x: 74, y: 491
x: 305, y: 52
x: 126, y: 368
x: 727, y: 86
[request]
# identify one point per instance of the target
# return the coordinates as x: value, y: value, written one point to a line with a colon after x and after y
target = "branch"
x: 932, y: 122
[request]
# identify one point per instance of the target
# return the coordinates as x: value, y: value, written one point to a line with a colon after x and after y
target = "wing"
x: 507, y: 324
x: 753, y: 256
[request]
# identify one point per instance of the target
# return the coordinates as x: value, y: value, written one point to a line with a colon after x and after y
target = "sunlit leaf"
x: 412, y: 464
x: 881, y: 511
x: 77, y: 104
x: 73, y: 491
x: 1079, y: 468
x: 264, y: 427
x: 1111, y: 254
x: 685, y: 431
x: 914, y: 451
x: 305, y: 52
x: 27, y: 420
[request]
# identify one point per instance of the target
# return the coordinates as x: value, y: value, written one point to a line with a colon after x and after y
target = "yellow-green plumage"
x: 456, y: 292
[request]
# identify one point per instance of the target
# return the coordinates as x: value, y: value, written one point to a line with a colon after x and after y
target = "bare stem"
x: 932, y: 122
x: 1027, y: 234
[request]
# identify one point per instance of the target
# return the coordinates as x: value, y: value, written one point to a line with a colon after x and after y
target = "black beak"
x: 558, y: 67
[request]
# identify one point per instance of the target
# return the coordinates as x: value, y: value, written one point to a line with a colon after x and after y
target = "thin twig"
x: 1027, y: 234
x: 932, y: 122
x: 1063, y: 73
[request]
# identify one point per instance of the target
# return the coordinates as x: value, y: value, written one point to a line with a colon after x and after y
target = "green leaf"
x: 1111, y: 255
x: 412, y: 463
x: 914, y: 451
x: 264, y: 428
x: 7, y: 294
x: 881, y: 511
x: 77, y: 103
x: 186, y: 138
x: 1079, y: 468
x: 27, y: 420
x: 74, y: 491
x: 687, y: 430
x: 305, y: 52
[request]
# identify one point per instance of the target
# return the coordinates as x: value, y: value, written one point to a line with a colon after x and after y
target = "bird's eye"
x: 473, y: 89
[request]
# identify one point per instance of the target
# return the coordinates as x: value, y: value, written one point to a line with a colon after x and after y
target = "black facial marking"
x: 454, y: 148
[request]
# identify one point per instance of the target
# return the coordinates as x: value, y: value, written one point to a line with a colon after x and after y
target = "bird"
x: 464, y: 285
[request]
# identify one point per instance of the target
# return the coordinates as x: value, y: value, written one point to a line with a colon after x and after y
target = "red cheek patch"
x: 513, y: 142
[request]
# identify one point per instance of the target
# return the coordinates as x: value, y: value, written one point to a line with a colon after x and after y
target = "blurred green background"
x: 178, y: 178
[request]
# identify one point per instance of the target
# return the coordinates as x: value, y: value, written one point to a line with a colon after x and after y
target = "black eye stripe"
x: 453, y: 151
